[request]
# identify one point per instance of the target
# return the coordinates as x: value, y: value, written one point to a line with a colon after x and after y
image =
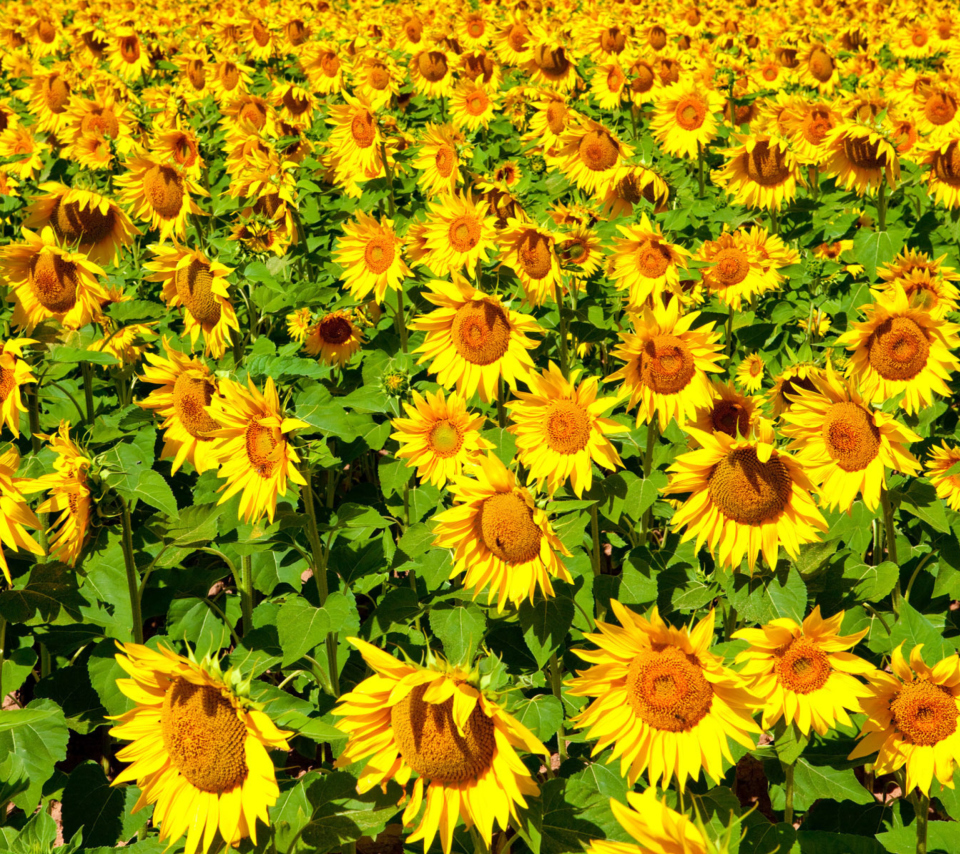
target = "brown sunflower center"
x: 613, y: 40
x: 898, y: 349
x: 255, y: 113
x: 667, y: 690
x: 657, y: 37
x: 363, y: 129
x: 552, y: 62
x: 334, y: 329
x: 54, y: 282
x: 296, y: 32
x: 533, y: 251
x: 816, y: 125
x: 432, y: 65
x: 766, y: 164
x: 645, y: 78
x: 556, y: 117
x: 791, y: 385
x: 940, y: 108
x: 567, y: 427
x: 229, y: 76
x: 190, y: 395
x: 730, y: 417
x: 919, y: 37
x: 851, y: 437
x: 802, y: 666
x: 508, y: 530
x: 195, y: 289
x: 477, y: 65
x: 259, y: 33
x: 924, y: 713
x: 820, y: 64
x: 517, y: 37
x: 628, y: 189
x: 379, y: 253
x: 481, y: 332
x: 378, y: 77
x: 263, y: 446
x: 690, y: 112
x: 445, y: 438
x: 430, y: 743
x: 74, y: 224
x: 653, y: 259
x: 46, y: 32
x: 101, y: 120
x: 296, y: 104
x: 8, y: 382
x: 475, y: 28
x: 184, y: 149
x: 598, y: 151
x: 615, y: 79
x: 196, y: 74
x: 464, y: 233
x: 130, y: 48
x: 203, y: 736
x: 946, y: 165
x: 476, y: 103
x: 330, y: 64
x: 748, y: 491
x: 666, y: 364
x: 445, y: 160
x: 56, y: 93
x: 864, y: 153
x: 413, y: 29
x: 163, y: 189
x: 730, y: 267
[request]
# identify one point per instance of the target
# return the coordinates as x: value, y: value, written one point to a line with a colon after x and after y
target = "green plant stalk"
x: 556, y: 685
x: 33, y: 408
x: 788, y: 769
x: 389, y: 171
x: 87, y: 372
x: 653, y: 433
x: 3, y: 648
x: 133, y: 579
x: 44, y: 661
x: 882, y: 205
x: 246, y: 592
x: 564, y: 357
x: 700, y: 169
x: 595, y: 534
x: 730, y: 333
x: 891, y: 545
x: 401, y: 326
x: 923, y: 815
x: 501, y: 409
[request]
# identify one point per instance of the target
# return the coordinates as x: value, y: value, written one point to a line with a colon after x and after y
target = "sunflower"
x: 943, y: 171
x: 590, y: 155
x: 179, y: 146
x: 160, y: 194
x: 253, y: 448
x: 48, y: 282
x: 230, y: 78
x: 24, y: 150
x: 15, y: 513
x: 667, y: 362
x: 817, y: 68
x: 633, y: 184
x: 789, y: 382
x: 126, y: 54
x: 560, y: 430
x: 734, y: 270
x: 745, y: 497
x: 431, y: 72
x: 810, y: 123
x: 609, y: 86
x: 459, y: 234
x: 938, y: 466
x: 912, y: 718
x: 500, y: 539
x: 655, y: 827
x: 530, y: 251
x: 405, y: 718
x: 199, y: 747
x: 473, y: 340
x: 513, y: 40
x: 684, y: 119
x: 441, y: 155
x: 127, y: 343
x: 644, y: 264
x: 773, y: 253
x: 760, y: 172
x: 257, y: 38
x: 644, y: 82
x: 662, y: 699
x: 82, y: 219
x: 844, y: 445
x: 580, y: 252
x: 728, y: 412
x: 472, y: 105
x: 104, y: 116
x: 860, y: 158
x: 911, y: 261
x: 804, y: 673
x: 439, y: 436
x: 898, y: 348
x: 552, y: 116
x: 334, y: 338
x: 186, y: 390
x: 376, y: 78
x: 15, y: 372
x: 750, y: 373
x: 295, y: 105
x: 48, y: 97
x: 198, y: 284
x: 371, y: 255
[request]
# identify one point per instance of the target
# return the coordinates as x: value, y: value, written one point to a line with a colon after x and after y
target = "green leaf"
x: 811, y: 782
x: 38, y: 736
x: 301, y: 627
x: 914, y: 628
x: 102, y: 811
x: 875, y: 248
x: 504, y: 444
x: 920, y: 500
x: 460, y: 630
x: 197, y: 621
x: 871, y: 583
x: 49, y: 588
x: 542, y: 715
x: 545, y: 624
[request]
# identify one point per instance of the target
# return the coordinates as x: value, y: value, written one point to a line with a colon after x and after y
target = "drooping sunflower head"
x: 794, y: 377
x: 760, y: 172
x: 859, y: 156
x: 729, y: 412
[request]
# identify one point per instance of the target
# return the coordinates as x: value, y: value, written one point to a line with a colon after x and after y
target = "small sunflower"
x: 472, y: 105
x: 662, y: 699
x: 818, y: 69
x: 684, y: 119
x: 23, y: 150
x: 728, y: 412
x: 761, y: 172
x: 371, y: 255
x: 645, y: 264
x: 943, y: 171
x: 500, y: 539
x: 551, y: 118
x: 431, y: 72
x: 160, y: 194
x: 15, y: 373
x: 441, y: 155
x: 734, y: 270
x: 530, y: 251
x: 789, y: 382
x: 15, y: 514
x: 938, y: 466
x: 127, y: 56
x: 590, y: 155
x: 334, y: 339
x: 750, y: 373
x: 459, y: 234
x: 860, y: 158
x: 48, y: 98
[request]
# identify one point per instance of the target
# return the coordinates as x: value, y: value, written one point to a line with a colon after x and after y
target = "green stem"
x: 700, y: 168
x: 401, y: 325
x: 246, y: 592
x: 3, y: 646
x: 564, y: 358
x: 45, y: 667
x: 788, y: 805
x: 595, y: 534
x: 814, y: 173
x: 389, y: 171
x: 501, y: 409
x: 556, y: 685
x: 730, y: 333
x: 891, y: 544
x: 774, y: 221
x: 87, y: 372
x: 923, y: 814
x: 882, y: 205
x: 653, y: 433
x: 133, y: 579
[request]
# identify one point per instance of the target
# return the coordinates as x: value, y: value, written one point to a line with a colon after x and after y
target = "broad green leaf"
x: 460, y: 630
x: 102, y: 811
x: 38, y: 735
x: 545, y: 624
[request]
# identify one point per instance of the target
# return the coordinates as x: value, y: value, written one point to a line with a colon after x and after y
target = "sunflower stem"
x: 564, y: 358
x: 891, y: 545
x: 246, y: 592
x: 814, y: 173
x: 133, y: 579
x: 3, y: 647
x: 595, y: 534
x: 923, y: 814
x: 401, y: 325
x: 882, y: 204
x: 700, y: 168
x: 730, y: 333
x: 33, y: 408
x: 556, y: 685
x: 653, y: 433
x: 389, y: 171
x: 87, y: 372
x: 788, y: 769
x: 501, y: 409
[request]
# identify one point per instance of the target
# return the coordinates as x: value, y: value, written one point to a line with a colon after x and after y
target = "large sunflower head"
x: 371, y: 255
x: 199, y: 747
x: 860, y: 157
x: 591, y: 155
x: 160, y: 194
x: 760, y: 172
x: 530, y: 251
x: 735, y: 269
x: 645, y: 264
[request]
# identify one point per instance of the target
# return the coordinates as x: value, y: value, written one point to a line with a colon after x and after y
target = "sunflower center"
x: 653, y: 259
x: 666, y: 364
x: 263, y: 448
x: 748, y: 491
x: 924, y: 713
x: 378, y: 77
x: 229, y: 76
x: 46, y: 31
x: 481, y: 332
x: 414, y: 30
x: 334, y: 329
x: 100, y: 120
x: 667, y: 690
x: 260, y: 34
x: 73, y: 224
x: 766, y: 164
x: 863, y: 153
x: 615, y: 79
x: 816, y: 125
x: 429, y: 742
x: 567, y: 428
x: 478, y: 65
x: 802, y: 666
x: 130, y: 48
x: 556, y: 117
x: 731, y: 266
x: 56, y: 92
x: 203, y: 736
x: 851, y: 437
x: 445, y: 159
x: 517, y: 37
x: 820, y: 65
x: 295, y: 104
x: 476, y: 103
x: 432, y: 65
x: 898, y: 349
x: 730, y: 417
x: 163, y: 188
x: 533, y: 250
x: 508, y: 530
x: 946, y: 165
x: 644, y: 80
x: 919, y: 38
x: 195, y: 289
x: 553, y: 63
x: 54, y: 282
x: 598, y: 152
x: 255, y: 113
x: 475, y: 28
x: 190, y: 396
x: 940, y: 108
x: 691, y: 112
x: 657, y: 37
x: 296, y: 32
x: 628, y: 189
x: 330, y: 64
x: 8, y: 382
x: 445, y: 438
x: 379, y: 254
x: 362, y: 129
x: 196, y: 74
x: 464, y: 233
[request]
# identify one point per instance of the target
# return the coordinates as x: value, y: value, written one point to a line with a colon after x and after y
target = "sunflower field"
x: 520, y: 428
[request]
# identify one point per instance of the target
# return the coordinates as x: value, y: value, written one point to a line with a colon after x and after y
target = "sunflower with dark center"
x: 667, y: 362
x: 912, y: 716
x: 633, y: 185
x: 501, y: 540
x: 760, y: 172
x: 335, y: 338
x: 805, y: 673
x: 590, y: 155
x: 199, y: 748
x: 459, y: 234
x: 898, y: 349
x: 860, y: 157
x: 435, y: 722
x: 355, y: 135
x: 684, y: 117
x: 787, y: 383
x: 744, y: 497
x: 728, y: 412
x: 431, y: 73
x: 843, y: 444
x: 371, y: 256
x: 561, y: 431
x: 661, y: 699
x: 943, y: 170
x: 645, y: 264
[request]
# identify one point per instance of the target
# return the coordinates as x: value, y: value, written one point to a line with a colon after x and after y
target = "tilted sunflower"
x: 744, y: 497
x: 632, y: 185
x: 186, y: 390
x: 665, y: 703
x: 432, y: 73
x: 860, y: 158
x: 750, y: 373
x: 501, y: 540
x: 15, y: 514
x: 371, y: 255
x: 656, y: 828
x: 25, y: 150
x: 844, y: 445
x: 899, y: 349
x: 15, y: 373
x: 760, y: 172
x: 199, y: 747
x: 200, y: 285
x: 911, y: 261
x: 160, y: 194
x: 253, y: 448
x: 49, y: 282
x: 436, y: 723
x: 736, y: 271
x: 473, y: 340
x: 667, y: 362
x: 939, y: 463
x: 590, y: 155
x: 127, y: 56
x: 442, y: 153
x: 804, y: 673
x: 793, y: 378
x: 644, y: 264
x: 48, y: 97
x: 560, y: 429
x: 459, y: 234
x: 943, y: 171
x: 334, y: 339
x: 912, y: 716
x: 439, y: 436
x: 551, y: 117
x: 728, y: 412
x: 530, y: 251
x: 552, y: 64
x: 818, y: 69
x: 684, y: 118
x: 609, y: 86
